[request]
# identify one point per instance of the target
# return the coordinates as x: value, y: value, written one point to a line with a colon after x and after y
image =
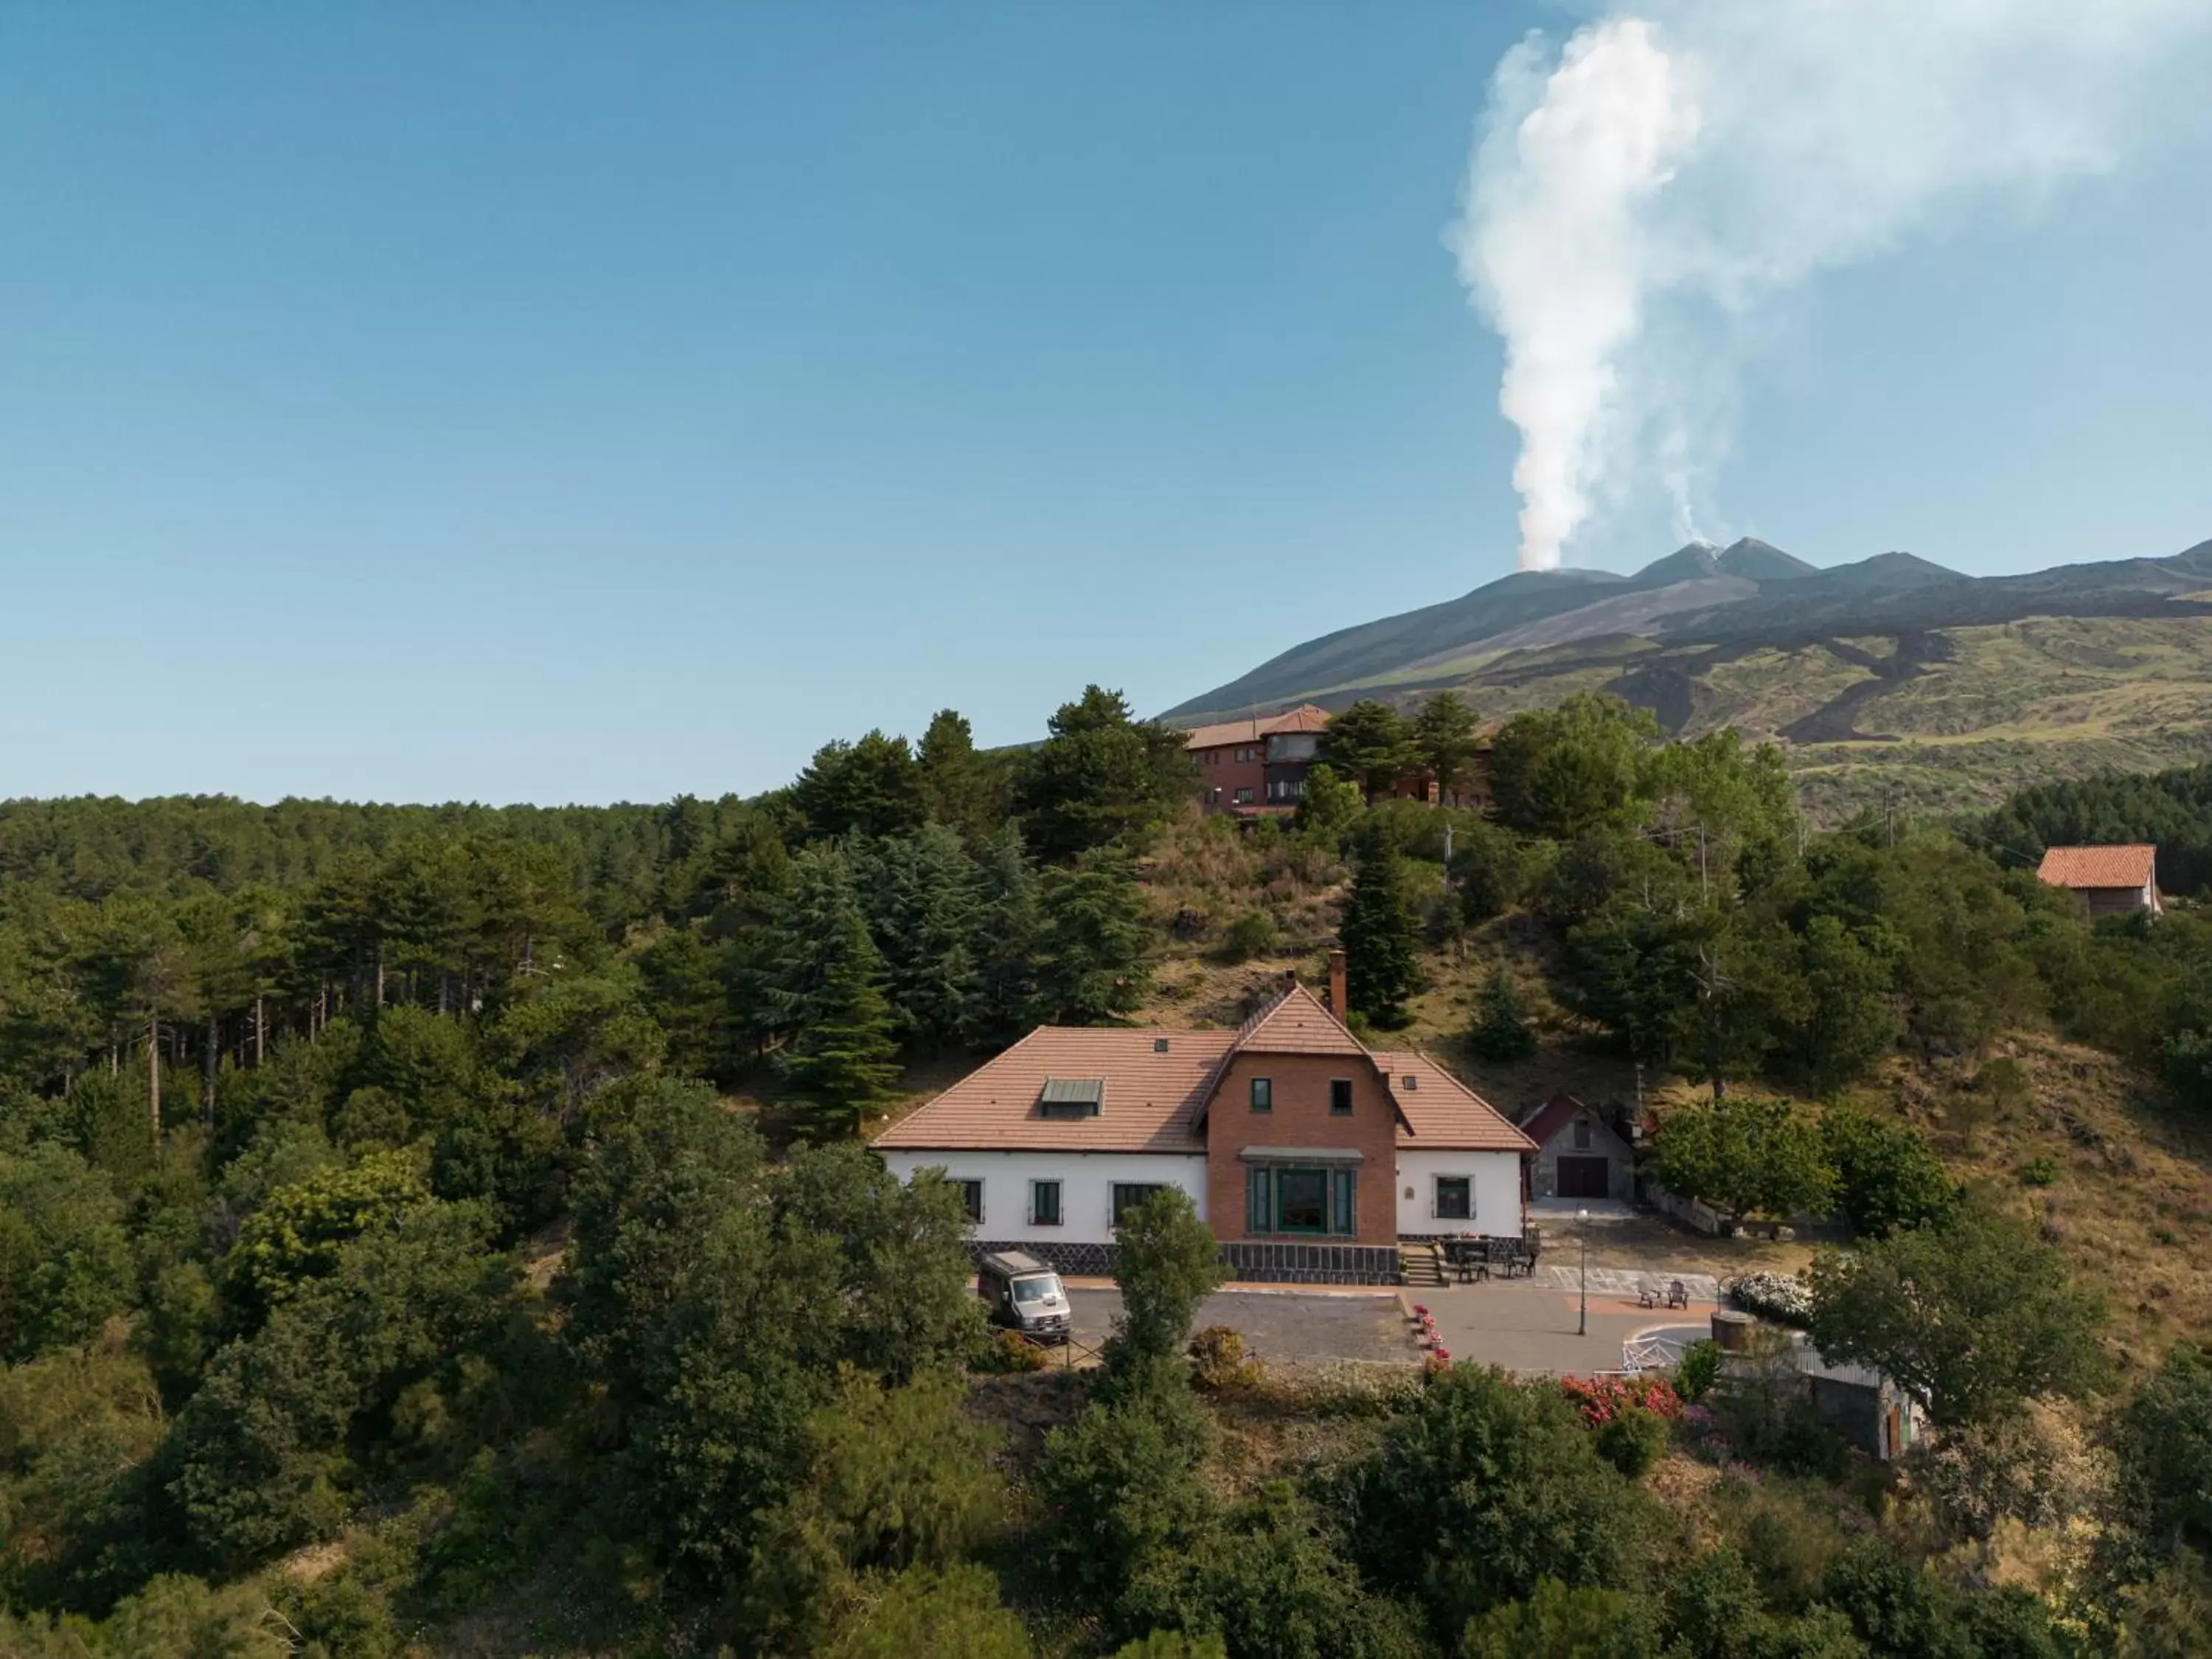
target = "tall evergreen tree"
x: 920, y: 894
x: 1370, y: 742
x: 824, y: 985
x: 960, y: 787
x: 871, y: 788
x: 1008, y: 917
x: 1091, y: 969
x: 1381, y: 933
x: 1102, y: 775
x: 1443, y: 741
x: 844, y: 1065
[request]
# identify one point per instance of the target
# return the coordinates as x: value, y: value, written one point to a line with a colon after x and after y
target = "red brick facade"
x: 1299, y: 1116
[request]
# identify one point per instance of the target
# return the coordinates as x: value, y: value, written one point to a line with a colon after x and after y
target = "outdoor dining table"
x: 1470, y: 1257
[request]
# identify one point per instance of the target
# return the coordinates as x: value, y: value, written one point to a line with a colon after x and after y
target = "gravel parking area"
x: 1281, y: 1327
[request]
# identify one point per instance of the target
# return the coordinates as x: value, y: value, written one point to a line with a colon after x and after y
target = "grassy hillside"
x: 1948, y: 721
x: 1888, y: 680
x: 2077, y: 1139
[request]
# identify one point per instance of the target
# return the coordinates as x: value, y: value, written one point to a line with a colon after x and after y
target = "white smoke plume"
x: 1715, y: 152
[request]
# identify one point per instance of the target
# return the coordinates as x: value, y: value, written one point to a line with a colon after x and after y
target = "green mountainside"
x: 1887, y: 679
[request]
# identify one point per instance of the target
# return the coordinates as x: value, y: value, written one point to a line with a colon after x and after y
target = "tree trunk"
x: 208, y: 1062
x: 260, y: 1032
x: 379, y: 976
x: 154, y: 1073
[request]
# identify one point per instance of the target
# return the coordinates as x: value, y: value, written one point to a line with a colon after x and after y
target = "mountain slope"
x: 1890, y: 677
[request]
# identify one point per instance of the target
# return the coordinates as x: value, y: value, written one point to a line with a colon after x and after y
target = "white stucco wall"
x: 1086, y: 1180
x: 1496, y: 1191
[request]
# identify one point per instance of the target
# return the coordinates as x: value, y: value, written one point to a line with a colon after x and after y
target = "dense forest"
x: 446, y: 1229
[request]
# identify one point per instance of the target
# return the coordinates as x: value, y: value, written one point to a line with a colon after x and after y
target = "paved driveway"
x: 1530, y: 1328
x: 1278, y: 1327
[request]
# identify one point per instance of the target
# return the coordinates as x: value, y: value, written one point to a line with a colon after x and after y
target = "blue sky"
x: 566, y: 403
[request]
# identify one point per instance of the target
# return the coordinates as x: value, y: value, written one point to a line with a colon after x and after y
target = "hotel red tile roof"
x: 1155, y: 1098
x: 1306, y: 717
x: 1297, y: 1022
x: 1151, y: 1099
x: 2125, y: 865
x: 1442, y: 1112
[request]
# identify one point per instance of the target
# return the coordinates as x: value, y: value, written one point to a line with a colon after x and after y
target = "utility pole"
x: 1581, y: 1226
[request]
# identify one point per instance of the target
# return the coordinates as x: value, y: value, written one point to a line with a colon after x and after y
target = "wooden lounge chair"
x: 1678, y: 1294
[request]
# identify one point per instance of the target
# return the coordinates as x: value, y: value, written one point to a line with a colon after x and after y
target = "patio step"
x: 1420, y: 1268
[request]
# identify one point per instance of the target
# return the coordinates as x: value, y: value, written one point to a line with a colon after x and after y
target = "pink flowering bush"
x: 1601, y: 1399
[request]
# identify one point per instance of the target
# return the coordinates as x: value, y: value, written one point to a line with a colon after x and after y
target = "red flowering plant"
x: 1601, y: 1399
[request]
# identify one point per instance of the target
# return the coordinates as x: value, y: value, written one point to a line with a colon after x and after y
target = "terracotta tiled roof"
x: 1441, y: 1111
x: 2129, y: 866
x: 1150, y: 1103
x: 1306, y: 717
x: 1155, y: 1100
x: 1297, y: 1023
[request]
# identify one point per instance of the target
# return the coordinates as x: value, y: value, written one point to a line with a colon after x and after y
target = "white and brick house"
x: 1308, y: 1153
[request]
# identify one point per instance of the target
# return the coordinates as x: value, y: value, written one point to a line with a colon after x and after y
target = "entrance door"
x: 1585, y: 1177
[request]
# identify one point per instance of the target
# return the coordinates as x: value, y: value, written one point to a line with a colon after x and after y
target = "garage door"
x: 1585, y: 1177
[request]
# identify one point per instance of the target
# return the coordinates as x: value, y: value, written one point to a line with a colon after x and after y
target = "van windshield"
x: 1037, y: 1290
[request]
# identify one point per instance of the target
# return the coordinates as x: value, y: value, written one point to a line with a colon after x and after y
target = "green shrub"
x: 1218, y: 1363
x: 2040, y: 1171
x: 1558, y: 1623
x: 1501, y: 1025
x: 1699, y: 1370
x: 1482, y: 1488
x: 1003, y: 1352
x: 1173, y: 1645
x: 1632, y: 1440
x: 1252, y: 934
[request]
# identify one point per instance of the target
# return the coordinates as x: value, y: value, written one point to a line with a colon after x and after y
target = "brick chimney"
x: 1337, y: 1005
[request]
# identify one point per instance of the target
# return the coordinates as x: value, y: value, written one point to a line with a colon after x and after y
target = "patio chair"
x: 1678, y: 1294
x: 1647, y: 1295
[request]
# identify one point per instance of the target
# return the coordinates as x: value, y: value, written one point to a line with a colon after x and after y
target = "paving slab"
x: 1529, y: 1325
x: 1284, y: 1326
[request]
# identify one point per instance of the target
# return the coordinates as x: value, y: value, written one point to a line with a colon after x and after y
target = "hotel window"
x: 971, y: 1199
x: 1044, y: 1203
x: 1285, y: 1198
x: 1128, y: 1194
x: 1455, y: 1198
x: 1263, y: 1094
x: 1340, y: 1097
x: 1245, y: 796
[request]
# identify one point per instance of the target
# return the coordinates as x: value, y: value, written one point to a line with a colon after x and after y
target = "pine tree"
x: 1007, y: 921
x: 920, y: 896
x: 961, y: 788
x: 844, y: 1065
x: 1091, y: 966
x: 1381, y: 933
x: 824, y: 982
x: 1443, y: 742
x: 1369, y: 742
x: 1501, y: 1024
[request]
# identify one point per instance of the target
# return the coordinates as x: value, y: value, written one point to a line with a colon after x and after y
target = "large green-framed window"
x: 1289, y: 1198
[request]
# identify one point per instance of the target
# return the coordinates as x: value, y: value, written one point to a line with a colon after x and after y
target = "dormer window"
x: 1071, y: 1096
x: 1160, y: 1045
x: 1410, y: 1080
